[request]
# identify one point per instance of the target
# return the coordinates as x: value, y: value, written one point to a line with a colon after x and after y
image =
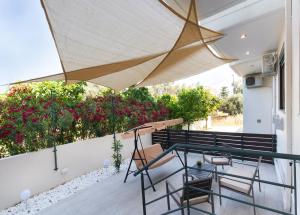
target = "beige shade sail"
x: 117, y: 43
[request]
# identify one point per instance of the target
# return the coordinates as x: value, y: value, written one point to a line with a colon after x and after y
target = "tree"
x: 237, y: 88
x: 224, y: 92
x: 141, y: 94
x: 171, y: 103
x: 162, y: 89
x: 233, y: 105
x: 195, y: 104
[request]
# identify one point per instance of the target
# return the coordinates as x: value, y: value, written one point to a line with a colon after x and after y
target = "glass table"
x: 206, y: 170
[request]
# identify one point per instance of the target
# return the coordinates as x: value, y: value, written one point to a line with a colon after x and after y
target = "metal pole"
x: 143, y: 193
x: 133, y: 154
x: 168, y: 138
x: 295, y: 186
x: 242, y: 144
x: 188, y: 134
x: 55, y: 157
x: 186, y: 186
x: 53, y: 124
x: 113, y: 115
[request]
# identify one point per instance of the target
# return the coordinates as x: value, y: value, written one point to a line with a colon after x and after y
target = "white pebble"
x: 43, y: 200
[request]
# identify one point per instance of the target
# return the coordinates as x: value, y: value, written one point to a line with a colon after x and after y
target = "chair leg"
x: 259, y: 181
x: 182, y: 211
x: 212, y: 204
x: 179, y: 157
x: 150, y: 180
x: 253, y: 199
x: 168, y: 196
x: 220, y: 192
x: 216, y: 174
x: 182, y: 208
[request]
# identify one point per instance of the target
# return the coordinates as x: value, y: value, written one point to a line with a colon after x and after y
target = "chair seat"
x: 239, y: 184
x: 160, y: 162
x: 197, y: 200
x: 217, y: 160
x: 235, y: 185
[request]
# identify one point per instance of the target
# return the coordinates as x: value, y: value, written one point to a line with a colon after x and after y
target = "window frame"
x: 281, y: 81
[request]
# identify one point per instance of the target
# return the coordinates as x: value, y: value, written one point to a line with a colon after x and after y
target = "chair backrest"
x: 147, y: 154
x: 189, y: 192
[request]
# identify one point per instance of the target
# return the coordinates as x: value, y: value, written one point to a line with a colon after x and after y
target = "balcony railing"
x: 246, y: 153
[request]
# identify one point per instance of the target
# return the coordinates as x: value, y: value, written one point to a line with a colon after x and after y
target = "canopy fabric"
x: 117, y: 43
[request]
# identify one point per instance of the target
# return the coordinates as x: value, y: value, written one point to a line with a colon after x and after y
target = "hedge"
x: 36, y: 116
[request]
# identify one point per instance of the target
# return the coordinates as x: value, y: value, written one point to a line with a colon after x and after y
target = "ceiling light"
x: 247, y: 53
x: 243, y: 36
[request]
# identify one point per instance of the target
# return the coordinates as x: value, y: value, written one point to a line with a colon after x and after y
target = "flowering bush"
x: 37, y: 116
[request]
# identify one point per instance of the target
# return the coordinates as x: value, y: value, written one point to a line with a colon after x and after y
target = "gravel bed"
x: 43, y: 200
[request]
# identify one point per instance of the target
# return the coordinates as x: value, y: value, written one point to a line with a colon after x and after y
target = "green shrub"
x: 117, y: 157
x: 233, y: 105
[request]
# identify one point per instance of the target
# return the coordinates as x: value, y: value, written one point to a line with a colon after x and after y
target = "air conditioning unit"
x: 253, y: 81
x: 269, y: 62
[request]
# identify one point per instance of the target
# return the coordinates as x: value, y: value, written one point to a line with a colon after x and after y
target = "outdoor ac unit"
x: 269, y: 64
x: 253, y: 81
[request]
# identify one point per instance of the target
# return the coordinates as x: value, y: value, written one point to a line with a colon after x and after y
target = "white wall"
x: 35, y: 170
x: 289, y: 138
x: 258, y: 104
x: 283, y: 133
x: 295, y: 85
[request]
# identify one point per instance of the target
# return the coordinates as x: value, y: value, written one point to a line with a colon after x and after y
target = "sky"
x: 27, y: 49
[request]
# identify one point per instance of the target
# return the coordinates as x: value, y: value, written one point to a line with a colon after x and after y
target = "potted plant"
x: 199, y: 163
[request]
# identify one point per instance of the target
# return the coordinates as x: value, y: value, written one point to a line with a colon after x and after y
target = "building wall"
x: 258, y: 108
x: 282, y: 124
x: 288, y: 138
x: 295, y: 31
x: 34, y: 170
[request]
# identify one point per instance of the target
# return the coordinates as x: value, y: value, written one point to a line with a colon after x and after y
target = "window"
x: 281, y: 80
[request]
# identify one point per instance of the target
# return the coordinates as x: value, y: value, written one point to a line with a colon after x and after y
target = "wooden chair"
x: 217, y: 159
x: 189, y: 192
x: 238, y: 185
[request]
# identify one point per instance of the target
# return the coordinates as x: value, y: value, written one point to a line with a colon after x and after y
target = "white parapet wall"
x: 35, y: 170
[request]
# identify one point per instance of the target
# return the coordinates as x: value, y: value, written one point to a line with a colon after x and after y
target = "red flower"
x: 35, y: 120
x: 19, y: 138
x: 4, y: 133
x: 74, y: 113
x: 99, y: 117
x: 13, y: 110
x: 47, y: 105
x: 45, y: 116
x: 28, y: 98
x: 155, y: 114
